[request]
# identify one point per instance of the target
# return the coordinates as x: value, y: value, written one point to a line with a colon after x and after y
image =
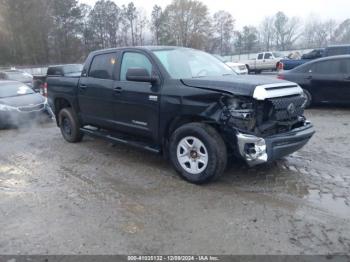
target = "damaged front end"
x: 267, y: 126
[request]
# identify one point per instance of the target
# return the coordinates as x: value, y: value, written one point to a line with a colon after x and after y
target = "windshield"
x: 189, y: 63
x: 19, y: 76
x: 14, y: 89
x: 72, y: 69
x: 277, y: 55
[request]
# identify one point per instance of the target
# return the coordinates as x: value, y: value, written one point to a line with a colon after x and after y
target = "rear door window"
x: 102, y: 66
x: 328, y: 67
x: 304, y: 69
x: 260, y: 56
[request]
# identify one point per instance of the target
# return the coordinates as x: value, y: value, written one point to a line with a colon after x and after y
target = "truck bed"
x: 62, y: 86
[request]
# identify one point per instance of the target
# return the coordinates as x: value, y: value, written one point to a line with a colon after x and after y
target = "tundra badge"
x: 153, y: 98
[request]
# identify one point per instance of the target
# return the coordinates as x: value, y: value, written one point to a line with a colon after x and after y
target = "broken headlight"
x: 240, y: 108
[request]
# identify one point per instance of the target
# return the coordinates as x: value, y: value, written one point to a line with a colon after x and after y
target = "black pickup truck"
x: 184, y: 104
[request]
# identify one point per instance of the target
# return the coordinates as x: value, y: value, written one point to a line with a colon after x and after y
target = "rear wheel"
x: 198, y: 153
x: 69, y: 125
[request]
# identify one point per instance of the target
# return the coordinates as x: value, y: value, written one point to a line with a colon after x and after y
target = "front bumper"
x: 256, y: 150
x: 16, y: 118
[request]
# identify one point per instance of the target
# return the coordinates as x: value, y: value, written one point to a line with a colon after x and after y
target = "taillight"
x: 44, y: 90
x: 280, y: 76
x: 280, y: 66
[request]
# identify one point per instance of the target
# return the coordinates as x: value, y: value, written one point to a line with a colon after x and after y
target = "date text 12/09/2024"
x: 173, y: 258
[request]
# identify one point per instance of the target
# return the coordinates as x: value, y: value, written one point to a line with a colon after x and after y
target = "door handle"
x: 347, y: 78
x: 83, y: 87
x: 118, y: 90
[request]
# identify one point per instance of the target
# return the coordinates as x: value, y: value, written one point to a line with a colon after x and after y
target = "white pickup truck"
x: 264, y: 61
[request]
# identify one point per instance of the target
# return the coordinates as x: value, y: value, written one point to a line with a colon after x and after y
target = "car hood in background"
x: 234, y: 64
x: 23, y: 100
x: 236, y: 85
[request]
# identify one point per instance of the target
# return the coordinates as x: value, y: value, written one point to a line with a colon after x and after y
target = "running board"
x: 119, y: 138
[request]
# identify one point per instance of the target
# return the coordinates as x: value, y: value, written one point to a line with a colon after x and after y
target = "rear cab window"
x: 54, y: 71
x: 268, y: 56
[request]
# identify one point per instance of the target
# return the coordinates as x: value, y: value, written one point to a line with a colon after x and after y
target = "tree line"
x: 50, y: 31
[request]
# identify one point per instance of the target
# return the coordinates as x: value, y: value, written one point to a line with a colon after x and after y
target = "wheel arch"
x: 179, y: 121
x: 60, y: 103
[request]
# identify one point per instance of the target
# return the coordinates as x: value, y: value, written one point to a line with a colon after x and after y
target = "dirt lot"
x: 96, y: 198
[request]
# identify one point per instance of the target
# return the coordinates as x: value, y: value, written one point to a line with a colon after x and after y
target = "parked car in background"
x: 20, y: 104
x: 69, y: 70
x: 238, y: 68
x: 288, y: 64
x: 264, y: 61
x: 335, y: 50
x: 65, y: 70
x: 17, y: 75
x: 325, y: 80
x: 182, y: 103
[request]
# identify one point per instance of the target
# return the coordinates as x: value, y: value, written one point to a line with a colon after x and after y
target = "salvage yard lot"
x: 96, y: 198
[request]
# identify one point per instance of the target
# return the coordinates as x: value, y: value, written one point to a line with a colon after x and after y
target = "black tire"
x: 69, y: 125
x: 216, y: 152
x: 308, y: 98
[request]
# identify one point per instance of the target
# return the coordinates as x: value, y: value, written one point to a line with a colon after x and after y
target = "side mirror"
x: 138, y: 74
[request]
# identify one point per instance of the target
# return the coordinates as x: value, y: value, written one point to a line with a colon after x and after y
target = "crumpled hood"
x: 236, y: 85
x: 23, y: 100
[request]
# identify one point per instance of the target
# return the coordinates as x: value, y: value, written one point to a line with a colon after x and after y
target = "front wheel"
x: 308, y: 98
x: 198, y: 153
x: 69, y: 125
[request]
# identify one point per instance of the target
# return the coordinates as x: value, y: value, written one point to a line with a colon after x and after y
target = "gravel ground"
x: 96, y: 198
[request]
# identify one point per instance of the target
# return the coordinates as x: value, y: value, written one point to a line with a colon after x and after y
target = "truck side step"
x: 119, y: 138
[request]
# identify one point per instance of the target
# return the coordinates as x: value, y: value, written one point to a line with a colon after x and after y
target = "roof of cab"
x: 148, y: 48
x: 331, y: 58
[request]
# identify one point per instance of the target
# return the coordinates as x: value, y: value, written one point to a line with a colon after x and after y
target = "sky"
x: 252, y: 12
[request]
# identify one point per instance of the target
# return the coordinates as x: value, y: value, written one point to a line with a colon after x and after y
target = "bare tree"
x: 343, y: 32
x: 141, y: 23
x: 318, y: 33
x: 156, y: 23
x: 130, y: 13
x: 247, y: 39
x: 286, y: 30
x: 267, y: 32
x: 224, y: 26
x: 188, y: 23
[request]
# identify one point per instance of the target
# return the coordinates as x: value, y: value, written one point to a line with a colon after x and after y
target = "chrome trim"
x: 263, y: 92
x: 153, y: 98
x: 260, y: 156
